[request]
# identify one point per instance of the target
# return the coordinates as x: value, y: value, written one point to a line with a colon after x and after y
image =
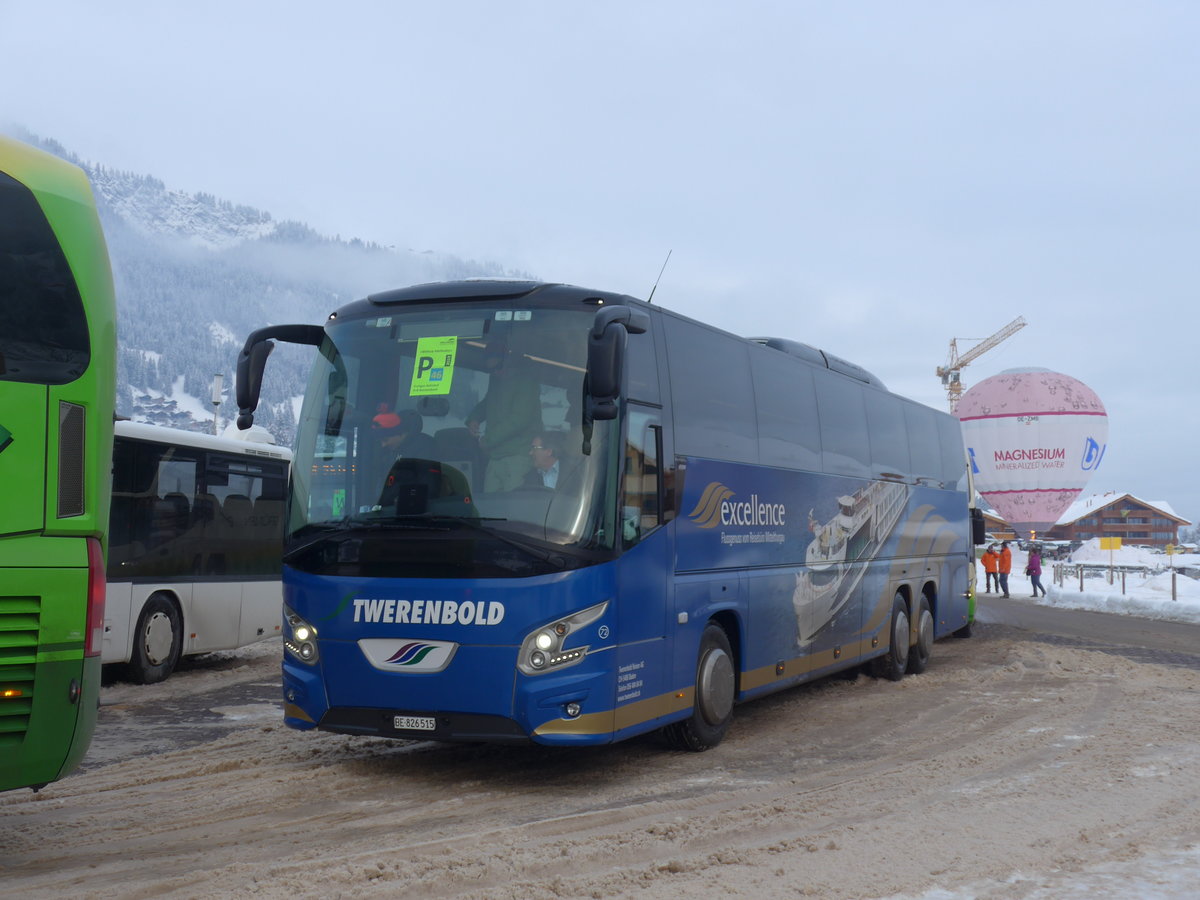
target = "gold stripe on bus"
x: 292, y: 711
x: 797, y: 665
x: 612, y: 720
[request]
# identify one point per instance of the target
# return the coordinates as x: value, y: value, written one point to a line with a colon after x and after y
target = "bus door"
x: 244, y: 504
x: 645, y: 568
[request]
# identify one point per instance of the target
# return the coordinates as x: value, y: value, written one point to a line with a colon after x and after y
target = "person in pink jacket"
x: 1034, y: 570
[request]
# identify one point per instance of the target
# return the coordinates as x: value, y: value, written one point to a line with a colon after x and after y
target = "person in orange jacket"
x: 1004, y: 566
x: 991, y: 562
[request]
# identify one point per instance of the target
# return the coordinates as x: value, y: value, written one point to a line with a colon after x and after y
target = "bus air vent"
x: 70, y: 460
x: 19, y: 630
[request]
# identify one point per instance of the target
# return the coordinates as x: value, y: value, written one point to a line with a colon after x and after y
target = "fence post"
x: 1122, y: 582
x: 1081, y: 578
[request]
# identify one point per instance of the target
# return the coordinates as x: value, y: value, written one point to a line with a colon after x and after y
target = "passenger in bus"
x: 546, y: 452
x: 511, y: 410
x: 400, y: 434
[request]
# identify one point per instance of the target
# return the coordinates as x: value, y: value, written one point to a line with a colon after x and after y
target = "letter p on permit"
x: 428, y: 377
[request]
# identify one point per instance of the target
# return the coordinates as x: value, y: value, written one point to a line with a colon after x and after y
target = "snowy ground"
x: 1146, y: 596
x: 1018, y: 767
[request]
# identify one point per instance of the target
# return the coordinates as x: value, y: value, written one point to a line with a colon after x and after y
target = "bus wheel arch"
x: 894, y: 662
x: 158, y: 639
x: 716, y: 689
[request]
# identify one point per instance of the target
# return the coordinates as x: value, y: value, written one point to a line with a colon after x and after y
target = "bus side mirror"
x: 250, y: 366
x: 253, y: 360
x: 978, y: 526
x: 606, y: 356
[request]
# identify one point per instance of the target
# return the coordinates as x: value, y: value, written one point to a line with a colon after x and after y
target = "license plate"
x: 414, y: 723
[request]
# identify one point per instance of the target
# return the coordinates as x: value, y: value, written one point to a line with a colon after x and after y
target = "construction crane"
x: 949, y: 373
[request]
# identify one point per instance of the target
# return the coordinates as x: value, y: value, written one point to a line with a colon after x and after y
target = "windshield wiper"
x: 475, y: 524
x: 396, y: 523
x: 429, y: 522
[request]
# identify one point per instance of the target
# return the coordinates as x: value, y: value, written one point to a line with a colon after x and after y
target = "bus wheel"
x: 715, y: 686
x: 158, y: 641
x: 918, y: 656
x: 893, y: 663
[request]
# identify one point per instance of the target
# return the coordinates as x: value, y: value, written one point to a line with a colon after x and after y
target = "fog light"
x: 537, y: 659
x: 572, y: 710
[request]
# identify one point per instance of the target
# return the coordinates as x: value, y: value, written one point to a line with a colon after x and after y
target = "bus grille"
x: 19, y: 624
x: 70, y: 460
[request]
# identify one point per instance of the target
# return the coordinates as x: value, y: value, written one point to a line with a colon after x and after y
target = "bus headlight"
x: 545, y: 650
x: 299, y: 638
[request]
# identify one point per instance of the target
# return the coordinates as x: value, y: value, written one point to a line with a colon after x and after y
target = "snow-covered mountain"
x: 195, y: 274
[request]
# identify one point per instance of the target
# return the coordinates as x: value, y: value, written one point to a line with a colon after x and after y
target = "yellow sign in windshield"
x: 433, y: 369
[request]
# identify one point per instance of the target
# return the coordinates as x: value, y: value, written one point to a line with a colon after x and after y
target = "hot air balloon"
x: 1034, y: 437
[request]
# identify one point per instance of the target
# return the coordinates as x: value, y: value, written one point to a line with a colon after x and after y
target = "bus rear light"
x: 93, y: 640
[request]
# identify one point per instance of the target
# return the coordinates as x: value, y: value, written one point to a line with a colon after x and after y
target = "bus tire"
x: 965, y: 631
x: 158, y: 642
x: 922, y: 649
x: 894, y: 662
x: 716, y: 684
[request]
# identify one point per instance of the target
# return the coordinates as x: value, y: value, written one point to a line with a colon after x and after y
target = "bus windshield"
x: 461, y: 425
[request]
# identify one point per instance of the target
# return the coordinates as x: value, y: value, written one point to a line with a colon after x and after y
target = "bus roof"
x: 162, y: 435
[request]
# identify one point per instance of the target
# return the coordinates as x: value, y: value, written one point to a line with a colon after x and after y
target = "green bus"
x: 57, y: 385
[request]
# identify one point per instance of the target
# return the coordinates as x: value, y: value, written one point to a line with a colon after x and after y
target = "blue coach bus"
x: 725, y: 517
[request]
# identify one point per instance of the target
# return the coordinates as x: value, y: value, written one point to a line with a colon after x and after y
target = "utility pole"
x: 218, y: 381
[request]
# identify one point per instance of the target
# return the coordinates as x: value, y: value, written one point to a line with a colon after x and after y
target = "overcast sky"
x: 871, y: 178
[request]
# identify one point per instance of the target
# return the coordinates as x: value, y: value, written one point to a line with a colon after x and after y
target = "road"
x: 1054, y: 748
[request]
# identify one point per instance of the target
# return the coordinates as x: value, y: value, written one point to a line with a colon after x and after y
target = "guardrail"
x: 1112, y: 574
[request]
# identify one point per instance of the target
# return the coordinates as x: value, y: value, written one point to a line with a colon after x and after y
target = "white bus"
x: 194, y: 554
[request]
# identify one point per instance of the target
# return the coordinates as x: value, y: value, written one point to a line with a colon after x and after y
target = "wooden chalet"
x: 1136, y: 521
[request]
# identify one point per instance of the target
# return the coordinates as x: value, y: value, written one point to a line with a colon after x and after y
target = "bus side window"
x: 888, y: 439
x: 641, y: 508
x: 924, y: 442
x: 641, y: 363
x: 845, y: 444
x: 789, y: 432
x: 712, y: 392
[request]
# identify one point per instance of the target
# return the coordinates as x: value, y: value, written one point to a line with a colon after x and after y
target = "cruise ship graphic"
x: 863, y: 522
